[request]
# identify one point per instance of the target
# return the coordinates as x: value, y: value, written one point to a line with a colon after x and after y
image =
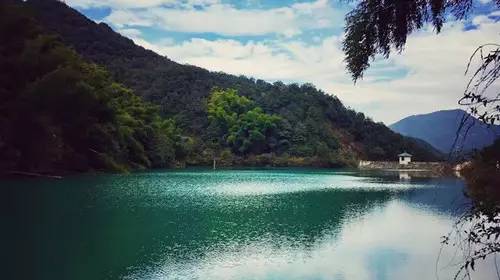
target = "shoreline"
x: 20, y: 175
x: 436, y: 168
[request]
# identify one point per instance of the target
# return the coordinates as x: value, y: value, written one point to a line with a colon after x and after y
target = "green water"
x: 232, y: 224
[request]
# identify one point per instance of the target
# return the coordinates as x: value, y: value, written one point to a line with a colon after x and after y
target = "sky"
x: 300, y: 42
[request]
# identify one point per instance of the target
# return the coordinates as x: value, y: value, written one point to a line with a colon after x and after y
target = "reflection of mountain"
x: 106, y: 225
x: 446, y: 196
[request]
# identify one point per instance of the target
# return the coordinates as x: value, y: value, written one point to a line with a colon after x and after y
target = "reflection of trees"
x: 300, y: 218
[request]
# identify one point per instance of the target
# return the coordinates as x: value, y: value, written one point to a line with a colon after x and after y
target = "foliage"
x: 241, y: 125
x: 483, y: 178
x: 480, y: 95
x: 377, y: 27
x: 477, y: 236
x: 59, y: 113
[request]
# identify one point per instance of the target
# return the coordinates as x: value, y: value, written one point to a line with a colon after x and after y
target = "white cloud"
x: 228, y: 20
x: 432, y: 79
x: 271, y: 60
x: 125, y: 4
x: 495, y: 13
x: 122, y: 18
x: 130, y: 32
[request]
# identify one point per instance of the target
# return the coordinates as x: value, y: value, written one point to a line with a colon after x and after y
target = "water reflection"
x: 405, y: 176
x: 281, y: 224
x: 387, y: 243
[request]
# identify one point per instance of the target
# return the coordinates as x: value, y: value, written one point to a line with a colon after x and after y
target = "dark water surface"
x: 230, y: 224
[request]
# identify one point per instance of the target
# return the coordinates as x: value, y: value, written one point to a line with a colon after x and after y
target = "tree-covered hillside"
x: 308, y: 126
x: 60, y: 113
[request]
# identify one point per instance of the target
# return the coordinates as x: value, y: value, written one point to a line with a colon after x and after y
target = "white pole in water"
x: 214, y: 163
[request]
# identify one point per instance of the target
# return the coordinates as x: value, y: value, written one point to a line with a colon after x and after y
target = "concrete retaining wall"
x: 387, y: 165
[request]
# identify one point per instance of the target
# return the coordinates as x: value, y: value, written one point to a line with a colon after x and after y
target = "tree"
x: 239, y: 123
x: 479, y: 95
x: 79, y: 117
x: 255, y: 132
x: 376, y: 27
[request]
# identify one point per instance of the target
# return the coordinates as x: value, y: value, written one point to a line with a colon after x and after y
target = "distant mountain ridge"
x: 440, y: 129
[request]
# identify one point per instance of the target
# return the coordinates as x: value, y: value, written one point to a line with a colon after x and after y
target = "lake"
x: 232, y: 224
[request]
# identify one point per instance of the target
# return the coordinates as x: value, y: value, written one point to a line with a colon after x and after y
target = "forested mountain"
x: 440, y: 128
x: 61, y: 113
x: 295, y: 124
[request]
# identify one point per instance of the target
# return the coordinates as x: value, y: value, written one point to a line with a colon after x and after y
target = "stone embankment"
x: 435, y: 167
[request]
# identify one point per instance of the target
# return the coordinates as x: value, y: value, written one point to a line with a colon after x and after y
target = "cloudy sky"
x: 300, y: 41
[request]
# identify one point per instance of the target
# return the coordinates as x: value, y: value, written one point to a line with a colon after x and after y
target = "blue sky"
x: 300, y: 41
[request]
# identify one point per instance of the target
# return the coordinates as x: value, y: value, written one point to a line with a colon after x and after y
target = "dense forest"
x: 79, y: 96
x: 58, y: 112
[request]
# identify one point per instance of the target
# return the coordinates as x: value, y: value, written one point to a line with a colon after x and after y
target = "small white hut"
x: 404, y: 158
